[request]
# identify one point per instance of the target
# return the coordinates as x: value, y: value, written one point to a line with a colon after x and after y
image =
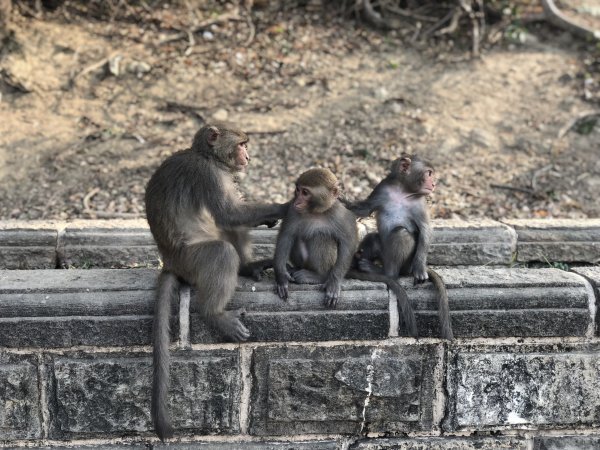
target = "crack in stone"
x: 370, y: 375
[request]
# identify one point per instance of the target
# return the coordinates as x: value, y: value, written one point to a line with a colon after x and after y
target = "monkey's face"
x: 428, y: 183
x: 313, y: 199
x: 302, y: 198
x: 240, y: 156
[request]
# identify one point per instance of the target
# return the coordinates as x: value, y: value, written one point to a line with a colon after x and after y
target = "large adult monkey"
x: 404, y: 231
x: 197, y: 218
x: 319, y: 237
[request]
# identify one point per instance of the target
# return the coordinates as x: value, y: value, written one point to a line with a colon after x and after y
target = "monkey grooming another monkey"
x: 404, y: 231
x: 197, y: 219
x: 319, y: 237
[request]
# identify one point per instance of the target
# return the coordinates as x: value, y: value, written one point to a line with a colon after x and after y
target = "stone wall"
x: 523, y: 373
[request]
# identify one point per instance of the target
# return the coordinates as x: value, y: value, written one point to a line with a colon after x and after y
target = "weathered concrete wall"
x: 524, y: 373
x: 128, y: 243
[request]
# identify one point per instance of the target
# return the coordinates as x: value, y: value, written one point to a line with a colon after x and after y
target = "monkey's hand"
x: 420, y: 276
x: 283, y: 285
x: 332, y: 291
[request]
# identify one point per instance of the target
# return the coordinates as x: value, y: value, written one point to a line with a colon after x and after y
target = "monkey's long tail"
x: 443, y: 306
x: 168, y: 287
x: 408, y: 314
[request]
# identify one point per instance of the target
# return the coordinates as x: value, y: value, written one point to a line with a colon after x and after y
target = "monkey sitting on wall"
x: 198, y: 221
x: 404, y: 231
x: 318, y: 236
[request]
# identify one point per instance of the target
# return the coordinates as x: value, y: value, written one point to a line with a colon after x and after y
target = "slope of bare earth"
x: 312, y: 90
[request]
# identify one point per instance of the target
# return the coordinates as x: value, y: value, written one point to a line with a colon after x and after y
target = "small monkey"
x: 404, y: 231
x: 198, y: 221
x: 318, y: 235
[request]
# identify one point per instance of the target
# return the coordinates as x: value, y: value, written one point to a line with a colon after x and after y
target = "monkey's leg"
x: 397, y: 252
x: 216, y: 266
x: 255, y: 269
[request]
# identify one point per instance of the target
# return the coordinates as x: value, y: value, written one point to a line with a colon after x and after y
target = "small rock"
x: 208, y: 36
x: 114, y: 65
x: 220, y: 114
x: 139, y: 68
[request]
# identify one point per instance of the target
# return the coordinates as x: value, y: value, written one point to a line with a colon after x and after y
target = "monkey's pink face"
x: 428, y: 185
x: 241, y: 156
x: 302, y: 198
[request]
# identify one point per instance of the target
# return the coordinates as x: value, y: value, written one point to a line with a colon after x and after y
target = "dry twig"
x: 580, y: 118
x: 559, y: 19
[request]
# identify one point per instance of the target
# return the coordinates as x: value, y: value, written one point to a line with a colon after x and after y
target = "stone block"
x: 65, y: 308
x: 563, y: 240
x: 27, y: 245
x: 129, y: 243
x: 567, y: 442
x: 344, y: 389
x: 107, y: 243
x: 473, y: 242
x: 263, y: 445
x: 263, y: 242
x: 523, y: 387
x: 109, y: 394
x: 362, y: 313
x: 20, y: 410
x: 592, y: 274
x: 497, y: 302
x: 444, y: 443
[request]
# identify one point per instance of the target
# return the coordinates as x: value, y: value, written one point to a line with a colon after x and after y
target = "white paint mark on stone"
x: 184, y: 316
x: 369, y: 389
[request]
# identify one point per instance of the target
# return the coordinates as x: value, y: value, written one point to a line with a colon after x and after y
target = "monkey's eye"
x: 429, y: 173
x: 305, y: 192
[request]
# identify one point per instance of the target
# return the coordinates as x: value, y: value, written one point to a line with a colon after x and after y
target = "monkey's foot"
x: 420, y: 276
x: 304, y: 276
x: 230, y: 325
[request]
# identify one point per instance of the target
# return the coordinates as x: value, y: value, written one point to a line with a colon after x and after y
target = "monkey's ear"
x: 335, y: 192
x: 404, y: 164
x: 212, y: 135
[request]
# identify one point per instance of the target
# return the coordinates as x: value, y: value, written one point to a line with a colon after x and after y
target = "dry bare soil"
x: 80, y: 137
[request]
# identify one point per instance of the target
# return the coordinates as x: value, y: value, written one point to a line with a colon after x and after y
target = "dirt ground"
x: 90, y: 107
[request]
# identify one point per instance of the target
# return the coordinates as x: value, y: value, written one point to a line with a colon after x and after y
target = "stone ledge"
x: 128, y: 243
x: 441, y: 443
x: 65, y: 308
x: 112, y: 307
x: 564, y: 240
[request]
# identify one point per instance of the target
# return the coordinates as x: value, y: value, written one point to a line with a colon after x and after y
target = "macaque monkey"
x: 404, y: 231
x: 198, y: 221
x: 319, y: 237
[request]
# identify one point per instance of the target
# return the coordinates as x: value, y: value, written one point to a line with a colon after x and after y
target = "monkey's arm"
x: 285, y: 242
x: 419, y: 262
x: 347, y: 244
x: 248, y: 214
x: 364, y: 208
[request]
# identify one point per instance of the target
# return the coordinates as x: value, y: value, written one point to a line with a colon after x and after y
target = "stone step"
x: 128, y: 243
x: 112, y: 307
